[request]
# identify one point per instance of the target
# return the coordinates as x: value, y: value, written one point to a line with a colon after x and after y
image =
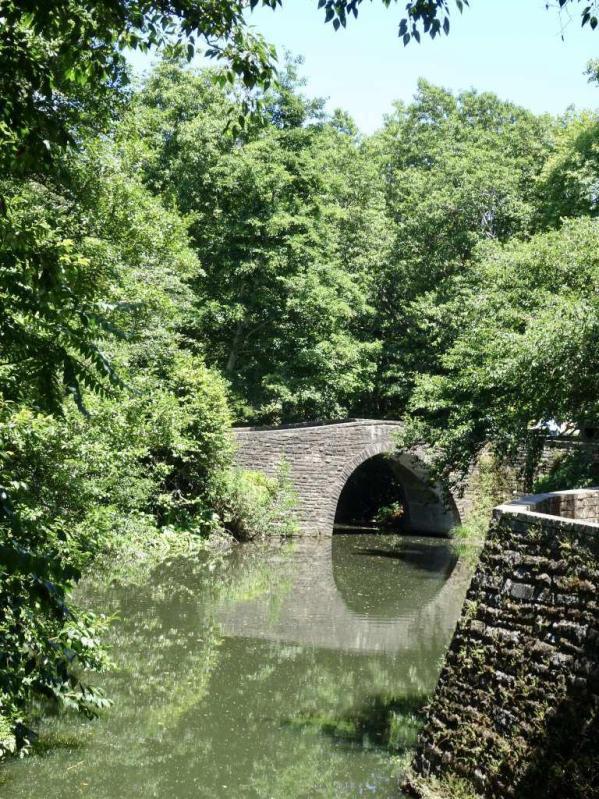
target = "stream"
x: 268, y: 671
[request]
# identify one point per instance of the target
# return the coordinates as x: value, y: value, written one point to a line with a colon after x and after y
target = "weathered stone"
x: 321, y: 458
x: 525, y: 672
x: 522, y: 591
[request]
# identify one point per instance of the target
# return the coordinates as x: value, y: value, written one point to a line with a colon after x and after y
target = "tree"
x: 147, y: 455
x: 61, y: 60
x: 432, y: 17
x: 457, y: 170
x: 62, y: 79
x: 287, y: 221
x: 568, y: 185
x: 527, y: 348
x: 62, y: 74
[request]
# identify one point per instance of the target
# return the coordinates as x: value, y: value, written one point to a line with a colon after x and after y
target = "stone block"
x: 521, y: 591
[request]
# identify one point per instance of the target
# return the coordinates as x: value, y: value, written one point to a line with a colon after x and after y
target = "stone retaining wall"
x: 516, y: 709
x: 579, y: 504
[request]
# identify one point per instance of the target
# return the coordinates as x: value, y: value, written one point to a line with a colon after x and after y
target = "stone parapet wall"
x: 580, y: 504
x: 516, y: 709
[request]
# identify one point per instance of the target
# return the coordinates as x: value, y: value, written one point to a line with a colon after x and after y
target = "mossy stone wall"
x: 516, y: 709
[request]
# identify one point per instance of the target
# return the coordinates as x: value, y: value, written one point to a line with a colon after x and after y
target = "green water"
x: 267, y: 672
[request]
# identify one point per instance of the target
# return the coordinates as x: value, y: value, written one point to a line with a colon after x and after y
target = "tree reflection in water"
x: 215, y: 698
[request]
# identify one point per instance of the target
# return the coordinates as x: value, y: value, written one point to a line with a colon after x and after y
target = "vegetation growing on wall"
x: 515, y: 709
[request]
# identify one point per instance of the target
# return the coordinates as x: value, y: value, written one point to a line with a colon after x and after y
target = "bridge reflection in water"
x: 361, y: 593
x: 302, y: 691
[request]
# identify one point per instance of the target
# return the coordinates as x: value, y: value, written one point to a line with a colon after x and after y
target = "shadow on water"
x: 434, y: 559
x: 393, y: 578
x: 389, y: 723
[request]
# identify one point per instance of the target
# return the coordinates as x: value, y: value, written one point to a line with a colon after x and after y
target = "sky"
x: 515, y: 48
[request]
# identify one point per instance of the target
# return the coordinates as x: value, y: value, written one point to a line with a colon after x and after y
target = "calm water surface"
x: 268, y: 672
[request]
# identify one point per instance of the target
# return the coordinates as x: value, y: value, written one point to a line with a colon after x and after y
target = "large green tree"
x: 147, y: 454
x: 288, y: 223
x: 518, y: 320
x: 527, y: 350
x: 457, y: 170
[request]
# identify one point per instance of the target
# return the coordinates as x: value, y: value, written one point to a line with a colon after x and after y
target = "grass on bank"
x: 492, y: 483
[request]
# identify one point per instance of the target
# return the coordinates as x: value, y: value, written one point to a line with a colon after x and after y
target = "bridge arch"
x: 321, y: 458
x: 429, y: 509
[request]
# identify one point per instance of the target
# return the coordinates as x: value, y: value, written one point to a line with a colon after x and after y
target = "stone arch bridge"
x: 322, y: 457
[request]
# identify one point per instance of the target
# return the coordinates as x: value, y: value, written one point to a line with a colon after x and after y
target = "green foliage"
x: 573, y: 470
x: 433, y: 17
x: 287, y: 225
x: 62, y: 63
x: 53, y: 279
x: 527, y: 347
x: 151, y: 449
x: 252, y: 505
x: 569, y: 182
x: 63, y: 70
x: 45, y: 642
x: 422, y: 16
x: 457, y: 171
x: 488, y: 324
x: 390, y: 515
x: 491, y: 483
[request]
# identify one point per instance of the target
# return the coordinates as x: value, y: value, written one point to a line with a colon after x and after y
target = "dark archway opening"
x: 373, y: 498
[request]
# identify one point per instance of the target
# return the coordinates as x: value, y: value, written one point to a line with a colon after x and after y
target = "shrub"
x: 46, y: 642
x: 252, y: 505
x: 576, y: 469
x: 390, y: 515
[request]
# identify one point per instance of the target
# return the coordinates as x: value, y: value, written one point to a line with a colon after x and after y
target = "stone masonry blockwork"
x: 320, y: 459
x: 516, y: 709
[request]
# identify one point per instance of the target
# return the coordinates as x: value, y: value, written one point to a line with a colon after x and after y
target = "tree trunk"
x: 232, y: 359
